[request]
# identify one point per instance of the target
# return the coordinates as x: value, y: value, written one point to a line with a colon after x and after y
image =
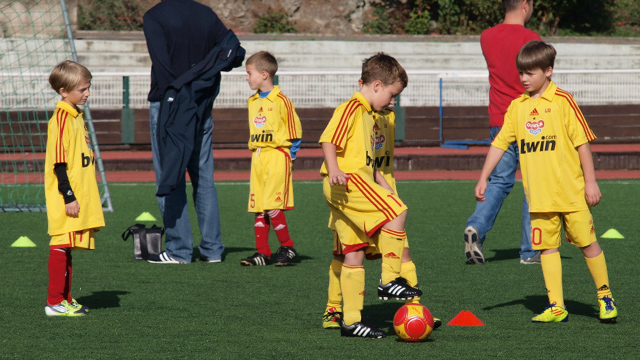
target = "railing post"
x: 127, y: 123
x: 400, y: 120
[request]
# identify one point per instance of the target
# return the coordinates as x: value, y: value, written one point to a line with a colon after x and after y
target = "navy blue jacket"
x: 187, y: 102
x: 179, y: 34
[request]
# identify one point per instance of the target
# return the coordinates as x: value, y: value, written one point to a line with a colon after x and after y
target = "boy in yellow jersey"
x: 275, y: 135
x: 359, y: 197
x: 74, y: 207
x: 558, y: 176
x: 385, y: 139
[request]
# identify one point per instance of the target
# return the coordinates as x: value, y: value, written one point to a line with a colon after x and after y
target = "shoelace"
x: 608, y: 303
x: 330, y: 316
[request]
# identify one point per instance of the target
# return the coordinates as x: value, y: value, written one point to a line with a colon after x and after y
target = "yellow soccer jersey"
x: 548, y: 130
x: 351, y: 130
x: 385, y: 135
x: 273, y: 121
x: 68, y: 142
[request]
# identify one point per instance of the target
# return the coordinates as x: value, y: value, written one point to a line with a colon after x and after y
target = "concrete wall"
x: 297, y: 53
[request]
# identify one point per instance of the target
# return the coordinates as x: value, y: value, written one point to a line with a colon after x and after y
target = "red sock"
x: 57, y: 276
x: 67, y: 287
x: 261, y: 229
x: 279, y: 222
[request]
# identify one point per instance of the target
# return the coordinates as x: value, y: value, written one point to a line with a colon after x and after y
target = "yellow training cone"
x: 145, y: 216
x: 23, y: 241
x: 612, y: 234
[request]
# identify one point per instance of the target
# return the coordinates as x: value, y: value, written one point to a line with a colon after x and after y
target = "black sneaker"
x: 397, y: 289
x: 285, y: 255
x: 360, y: 329
x: 256, y: 259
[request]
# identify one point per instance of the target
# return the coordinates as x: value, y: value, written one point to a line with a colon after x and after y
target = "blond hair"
x: 264, y: 61
x: 385, y: 68
x: 67, y: 75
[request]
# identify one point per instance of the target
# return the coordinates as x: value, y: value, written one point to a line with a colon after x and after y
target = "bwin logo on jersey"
x: 259, y: 121
x: 380, y: 141
x: 534, y: 127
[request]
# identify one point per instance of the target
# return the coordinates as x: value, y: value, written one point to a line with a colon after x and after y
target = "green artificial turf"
x: 226, y: 311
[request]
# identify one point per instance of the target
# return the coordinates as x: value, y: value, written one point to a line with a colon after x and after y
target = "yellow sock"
x: 335, y: 295
x: 552, y: 273
x: 352, y: 286
x: 598, y: 268
x: 391, y: 245
x: 408, y: 271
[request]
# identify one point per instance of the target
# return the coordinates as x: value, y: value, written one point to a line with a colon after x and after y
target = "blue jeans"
x: 178, y: 236
x: 499, y: 186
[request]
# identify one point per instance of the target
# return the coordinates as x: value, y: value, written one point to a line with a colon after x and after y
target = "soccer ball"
x: 413, y: 322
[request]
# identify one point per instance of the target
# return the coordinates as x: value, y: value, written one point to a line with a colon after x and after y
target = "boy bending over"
x: 359, y: 197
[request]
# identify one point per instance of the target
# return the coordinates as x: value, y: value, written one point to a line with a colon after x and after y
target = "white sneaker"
x: 63, y: 309
x: 472, y: 246
x: 163, y: 258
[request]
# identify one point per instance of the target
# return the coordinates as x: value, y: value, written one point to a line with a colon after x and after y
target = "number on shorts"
x: 536, y: 236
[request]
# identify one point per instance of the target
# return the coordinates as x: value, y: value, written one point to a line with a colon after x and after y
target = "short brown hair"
x: 385, y: 68
x: 510, y: 5
x: 536, y: 54
x: 264, y: 61
x: 68, y: 75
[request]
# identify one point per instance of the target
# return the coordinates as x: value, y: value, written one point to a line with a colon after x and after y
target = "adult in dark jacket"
x: 186, y: 41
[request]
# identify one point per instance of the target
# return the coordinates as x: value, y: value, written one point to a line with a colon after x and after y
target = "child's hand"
x: 338, y: 177
x: 72, y: 209
x: 592, y: 193
x: 479, y: 190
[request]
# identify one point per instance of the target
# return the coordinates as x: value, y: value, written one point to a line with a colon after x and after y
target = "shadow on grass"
x: 250, y: 251
x: 509, y: 254
x: 227, y: 251
x: 504, y: 254
x: 381, y: 316
x: 102, y: 299
x: 537, y: 303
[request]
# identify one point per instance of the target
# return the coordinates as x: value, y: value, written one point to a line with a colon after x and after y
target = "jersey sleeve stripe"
x: 583, y: 122
x: 374, y: 197
x: 343, y: 125
x: 61, y: 118
x: 291, y: 125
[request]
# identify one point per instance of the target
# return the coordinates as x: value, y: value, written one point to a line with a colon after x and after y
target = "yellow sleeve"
x: 341, y: 125
x: 507, y: 134
x: 290, y: 119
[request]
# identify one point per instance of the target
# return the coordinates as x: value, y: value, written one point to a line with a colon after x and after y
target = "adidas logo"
x: 603, y: 287
x: 391, y: 255
x: 260, y: 109
x: 376, y: 127
x: 362, y: 293
x: 279, y: 199
x: 534, y: 112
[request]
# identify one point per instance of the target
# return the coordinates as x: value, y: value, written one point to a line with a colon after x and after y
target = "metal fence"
x: 328, y: 89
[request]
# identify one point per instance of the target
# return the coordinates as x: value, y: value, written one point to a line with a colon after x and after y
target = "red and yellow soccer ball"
x: 413, y: 322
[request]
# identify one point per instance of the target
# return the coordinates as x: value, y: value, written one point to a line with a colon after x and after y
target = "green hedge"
x: 448, y: 17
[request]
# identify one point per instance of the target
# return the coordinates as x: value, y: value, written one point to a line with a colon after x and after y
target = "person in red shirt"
x: 500, y: 46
